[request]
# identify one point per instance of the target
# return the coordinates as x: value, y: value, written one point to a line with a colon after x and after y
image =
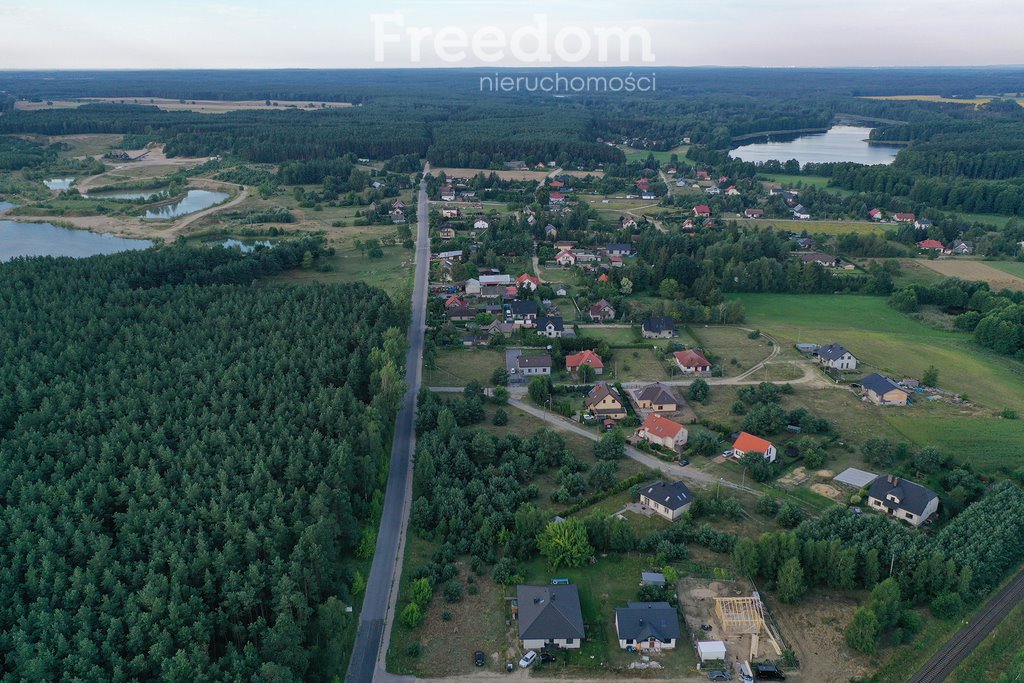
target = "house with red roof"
x: 702, y: 211
x: 662, y: 432
x: 748, y: 443
x: 574, y: 361
x: 566, y: 258
x: 557, y: 198
x: 455, y: 302
x: 529, y: 280
x: 692, y: 362
x: 601, y: 312
x: 557, y: 184
x: 931, y: 245
x: 703, y: 175
x: 876, y: 214
x: 903, y: 217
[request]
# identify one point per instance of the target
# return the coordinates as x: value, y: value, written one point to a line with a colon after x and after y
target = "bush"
x: 699, y: 390
x: 767, y: 506
x: 500, y: 418
x: 414, y: 649
x: 790, y: 515
x: 505, y: 572
x: 739, y: 408
x: 947, y: 606
x: 412, y: 615
x: 453, y: 591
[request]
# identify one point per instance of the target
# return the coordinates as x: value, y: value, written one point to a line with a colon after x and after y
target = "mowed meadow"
x: 897, y: 345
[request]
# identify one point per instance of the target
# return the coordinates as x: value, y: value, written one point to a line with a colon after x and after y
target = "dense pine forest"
x: 188, y: 462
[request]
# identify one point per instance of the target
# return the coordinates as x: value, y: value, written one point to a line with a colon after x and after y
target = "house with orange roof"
x: 692, y: 362
x: 748, y: 443
x: 574, y: 361
x: 663, y: 432
x: 529, y: 280
x: 603, y: 277
x: 566, y: 258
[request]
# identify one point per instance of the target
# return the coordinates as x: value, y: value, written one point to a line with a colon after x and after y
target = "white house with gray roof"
x: 549, y: 616
x: 647, y: 626
x: 836, y: 357
x: 902, y: 499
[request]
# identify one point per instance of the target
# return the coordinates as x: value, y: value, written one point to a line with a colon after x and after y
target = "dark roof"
x: 549, y: 612
x: 832, y: 352
x: 619, y: 247
x: 912, y: 497
x: 673, y: 496
x: 542, y: 361
x: 660, y: 324
x: 646, y: 620
x: 555, y: 320
x: 461, y: 312
x: 880, y: 385
x: 519, y: 307
x: 817, y: 257
x: 656, y: 393
x: 600, y: 391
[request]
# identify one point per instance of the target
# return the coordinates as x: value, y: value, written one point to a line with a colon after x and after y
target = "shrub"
x: 414, y: 649
x: 790, y: 515
x: 767, y: 506
x: 500, y: 418
x: 947, y: 606
x: 453, y: 591
x: 412, y: 615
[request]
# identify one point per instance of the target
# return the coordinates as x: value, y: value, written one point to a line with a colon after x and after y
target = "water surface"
x: 59, y: 183
x: 246, y: 247
x: 44, y: 239
x: 196, y: 200
x: 840, y: 143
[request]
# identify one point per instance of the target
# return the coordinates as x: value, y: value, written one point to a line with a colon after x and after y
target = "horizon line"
x: 524, y: 67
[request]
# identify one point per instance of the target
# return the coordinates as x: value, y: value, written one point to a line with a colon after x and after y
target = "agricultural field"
x: 539, y: 176
x: 988, y: 444
x: 662, y: 157
x: 731, y: 344
x: 933, y: 98
x: 197, y: 106
x: 1014, y: 268
x: 813, y: 227
x: 996, y: 277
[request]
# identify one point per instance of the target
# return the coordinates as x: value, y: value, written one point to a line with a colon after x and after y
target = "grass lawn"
x: 814, y: 227
x: 663, y: 157
x: 86, y: 145
x: 730, y: 344
x: 1011, y: 267
x: 890, y: 342
x: 458, y: 367
x: 613, y: 335
x: 632, y: 365
x: 994, y: 219
x: 789, y: 181
x: 988, y: 444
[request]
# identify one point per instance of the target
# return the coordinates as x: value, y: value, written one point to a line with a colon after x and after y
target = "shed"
x: 710, y: 650
x: 652, y: 579
x: 855, y: 478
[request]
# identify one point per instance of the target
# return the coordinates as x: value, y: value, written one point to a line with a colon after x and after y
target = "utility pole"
x: 892, y: 562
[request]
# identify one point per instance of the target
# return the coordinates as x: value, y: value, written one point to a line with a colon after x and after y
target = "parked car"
x: 547, y: 657
x: 727, y: 453
x: 528, y: 658
x: 769, y: 672
x: 479, y: 658
x: 719, y: 676
x: 684, y: 462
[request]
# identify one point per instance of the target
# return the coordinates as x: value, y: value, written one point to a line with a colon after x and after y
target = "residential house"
x: 931, y: 245
x: 732, y: 191
x: 800, y: 213
x: 549, y: 616
x: 754, y: 213
x: 481, y: 224
x: 663, y: 432
x: 836, y: 357
x: 528, y: 281
x: 521, y: 313
x: 821, y: 259
x: 447, y: 193
x: 604, y: 401
x: 575, y: 360
x: 603, y: 278
x: 502, y: 279
x: 552, y: 328
x: 619, y: 249
x: 692, y: 362
x: 454, y: 302
x: 748, y: 443
x: 447, y: 233
x: 902, y: 499
x: 962, y: 248
x: 883, y: 391
x: 656, y: 397
x: 398, y: 204
x: 556, y: 198
x: 602, y: 311
x: 449, y: 212
x: 703, y: 175
x: 807, y: 243
x: 713, y: 190
x: 565, y: 245
x: 903, y: 217
x: 566, y: 258
x: 616, y: 261
x: 658, y: 327
x: 473, y: 287
x: 922, y: 224
x: 627, y: 223
x: 397, y: 216
x: 556, y: 184
x: 702, y: 211
x: 776, y: 192
x: 550, y: 232
x: 668, y: 500
x: 534, y: 365
x: 876, y: 214
x: 461, y: 314
x: 647, y: 626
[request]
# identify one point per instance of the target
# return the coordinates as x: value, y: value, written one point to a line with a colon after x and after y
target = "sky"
x: 114, y: 34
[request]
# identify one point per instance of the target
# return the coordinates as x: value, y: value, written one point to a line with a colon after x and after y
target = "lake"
x: 840, y: 143
x: 58, y: 183
x: 5, y: 206
x: 124, y: 196
x: 196, y: 200
x: 246, y: 247
x: 44, y: 239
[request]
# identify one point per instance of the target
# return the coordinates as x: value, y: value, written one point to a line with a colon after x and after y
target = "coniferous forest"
x: 188, y: 459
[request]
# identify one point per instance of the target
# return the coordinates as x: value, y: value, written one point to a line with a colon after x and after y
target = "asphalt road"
x: 945, y: 661
x: 373, y: 634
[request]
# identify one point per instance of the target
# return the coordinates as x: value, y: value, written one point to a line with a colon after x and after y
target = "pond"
x: 44, y: 239
x: 58, y: 183
x: 246, y: 247
x: 840, y: 143
x: 6, y: 206
x: 125, y: 196
x: 196, y: 200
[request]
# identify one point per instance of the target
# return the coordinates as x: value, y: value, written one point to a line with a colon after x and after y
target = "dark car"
x: 479, y: 658
x: 547, y: 657
x: 719, y: 676
x: 684, y: 462
x: 769, y: 672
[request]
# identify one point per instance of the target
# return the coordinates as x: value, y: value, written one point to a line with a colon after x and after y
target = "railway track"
x: 945, y: 661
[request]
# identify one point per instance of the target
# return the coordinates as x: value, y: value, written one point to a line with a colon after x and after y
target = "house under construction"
x: 745, y: 616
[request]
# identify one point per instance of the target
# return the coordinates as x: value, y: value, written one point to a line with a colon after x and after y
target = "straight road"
x: 945, y: 661
x: 377, y: 615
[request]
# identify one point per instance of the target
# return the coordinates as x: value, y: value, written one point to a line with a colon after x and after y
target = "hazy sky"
x: 343, y: 33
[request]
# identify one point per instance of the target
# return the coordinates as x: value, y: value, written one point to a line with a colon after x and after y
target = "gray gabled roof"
x: 673, y: 496
x: 549, y: 612
x: 912, y: 497
x: 657, y: 393
x: 555, y: 321
x: 646, y: 620
x: 880, y: 385
x: 519, y: 307
x: 659, y: 324
x: 832, y: 352
x: 542, y: 361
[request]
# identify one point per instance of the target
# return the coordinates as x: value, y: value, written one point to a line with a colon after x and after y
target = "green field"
x: 613, y: 335
x: 988, y: 444
x: 889, y: 342
x: 1011, y: 267
x: 458, y: 367
x: 663, y: 157
x: 815, y: 227
x: 994, y: 219
x: 792, y: 181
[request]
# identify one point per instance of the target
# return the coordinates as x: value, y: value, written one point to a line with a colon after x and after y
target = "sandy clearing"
x: 975, y: 270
